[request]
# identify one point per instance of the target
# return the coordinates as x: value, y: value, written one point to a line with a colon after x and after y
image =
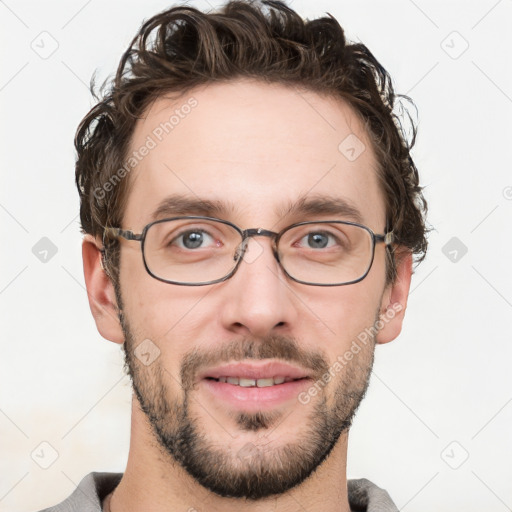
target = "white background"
x: 440, y: 393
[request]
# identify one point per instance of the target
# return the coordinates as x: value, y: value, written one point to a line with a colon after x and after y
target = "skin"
x: 266, y: 145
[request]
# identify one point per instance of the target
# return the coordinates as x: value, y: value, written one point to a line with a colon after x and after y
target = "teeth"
x: 246, y: 383
x: 260, y: 383
x: 263, y: 383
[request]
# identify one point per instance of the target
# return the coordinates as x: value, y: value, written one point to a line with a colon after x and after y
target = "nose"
x: 259, y: 299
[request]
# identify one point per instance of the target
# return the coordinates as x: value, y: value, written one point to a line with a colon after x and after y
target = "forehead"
x: 252, y: 152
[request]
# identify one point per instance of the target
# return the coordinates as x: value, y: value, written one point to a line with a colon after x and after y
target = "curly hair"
x: 182, y: 47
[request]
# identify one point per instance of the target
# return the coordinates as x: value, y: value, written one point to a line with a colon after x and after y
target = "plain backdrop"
x: 435, y: 427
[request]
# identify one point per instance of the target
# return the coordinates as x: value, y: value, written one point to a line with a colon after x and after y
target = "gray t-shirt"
x: 363, y: 495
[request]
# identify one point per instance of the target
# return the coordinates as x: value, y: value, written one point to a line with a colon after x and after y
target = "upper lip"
x: 255, y: 370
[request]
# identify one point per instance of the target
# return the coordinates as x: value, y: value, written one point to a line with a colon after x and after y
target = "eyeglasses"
x: 197, y: 251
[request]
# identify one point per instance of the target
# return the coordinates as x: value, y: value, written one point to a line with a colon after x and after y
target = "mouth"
x: 254, y: 386
x: 264, y: 382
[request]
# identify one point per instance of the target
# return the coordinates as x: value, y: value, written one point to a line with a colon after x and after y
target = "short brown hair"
x: 182, y: 48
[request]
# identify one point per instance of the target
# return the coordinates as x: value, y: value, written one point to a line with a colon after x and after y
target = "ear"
x: 394, y: 299
x: 100, y: 292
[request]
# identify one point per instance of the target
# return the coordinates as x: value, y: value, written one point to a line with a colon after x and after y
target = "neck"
x: 154, y: 481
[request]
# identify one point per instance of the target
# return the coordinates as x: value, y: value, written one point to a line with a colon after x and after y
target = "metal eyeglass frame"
x: 386, y: 238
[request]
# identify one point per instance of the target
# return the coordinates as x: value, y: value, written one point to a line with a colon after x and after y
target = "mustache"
x: 270, y: 347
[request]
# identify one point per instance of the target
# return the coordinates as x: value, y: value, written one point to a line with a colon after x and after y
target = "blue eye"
x: 192, y: 239
x: 319, y: 240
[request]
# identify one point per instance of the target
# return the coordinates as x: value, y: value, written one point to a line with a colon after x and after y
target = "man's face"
x: 258, y: 149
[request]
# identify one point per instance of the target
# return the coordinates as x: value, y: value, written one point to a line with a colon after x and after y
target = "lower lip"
x: 254, y: 398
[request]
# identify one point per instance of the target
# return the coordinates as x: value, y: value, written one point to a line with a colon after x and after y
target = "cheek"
x: 335, y: 318
x: 174, y: 317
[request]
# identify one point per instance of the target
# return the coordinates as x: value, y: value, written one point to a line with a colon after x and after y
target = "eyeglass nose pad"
x: 249, y: 253
x: 240, y: 250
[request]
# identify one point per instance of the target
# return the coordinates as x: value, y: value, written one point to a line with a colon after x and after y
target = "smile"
x: 251, y: 383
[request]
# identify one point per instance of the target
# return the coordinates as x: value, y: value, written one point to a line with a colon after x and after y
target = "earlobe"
x: 394, y: 301
x: 100, y: 292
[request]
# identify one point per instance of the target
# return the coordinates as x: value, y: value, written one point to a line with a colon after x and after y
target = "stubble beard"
x: 254, y: 473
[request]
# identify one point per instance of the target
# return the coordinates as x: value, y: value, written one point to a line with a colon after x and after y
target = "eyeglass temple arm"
x: 120, y: 233
x: 388, y: 238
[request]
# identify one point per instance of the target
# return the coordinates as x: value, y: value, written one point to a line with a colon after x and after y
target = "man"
x: 251, y: 212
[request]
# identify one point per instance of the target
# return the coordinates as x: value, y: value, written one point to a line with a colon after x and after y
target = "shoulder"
x: 366, y: 496
x: 88, y: 495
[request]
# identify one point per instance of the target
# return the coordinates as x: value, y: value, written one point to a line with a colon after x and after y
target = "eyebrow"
x: 176, y: 205
x: 321, y: 205
x: 183, y: 205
